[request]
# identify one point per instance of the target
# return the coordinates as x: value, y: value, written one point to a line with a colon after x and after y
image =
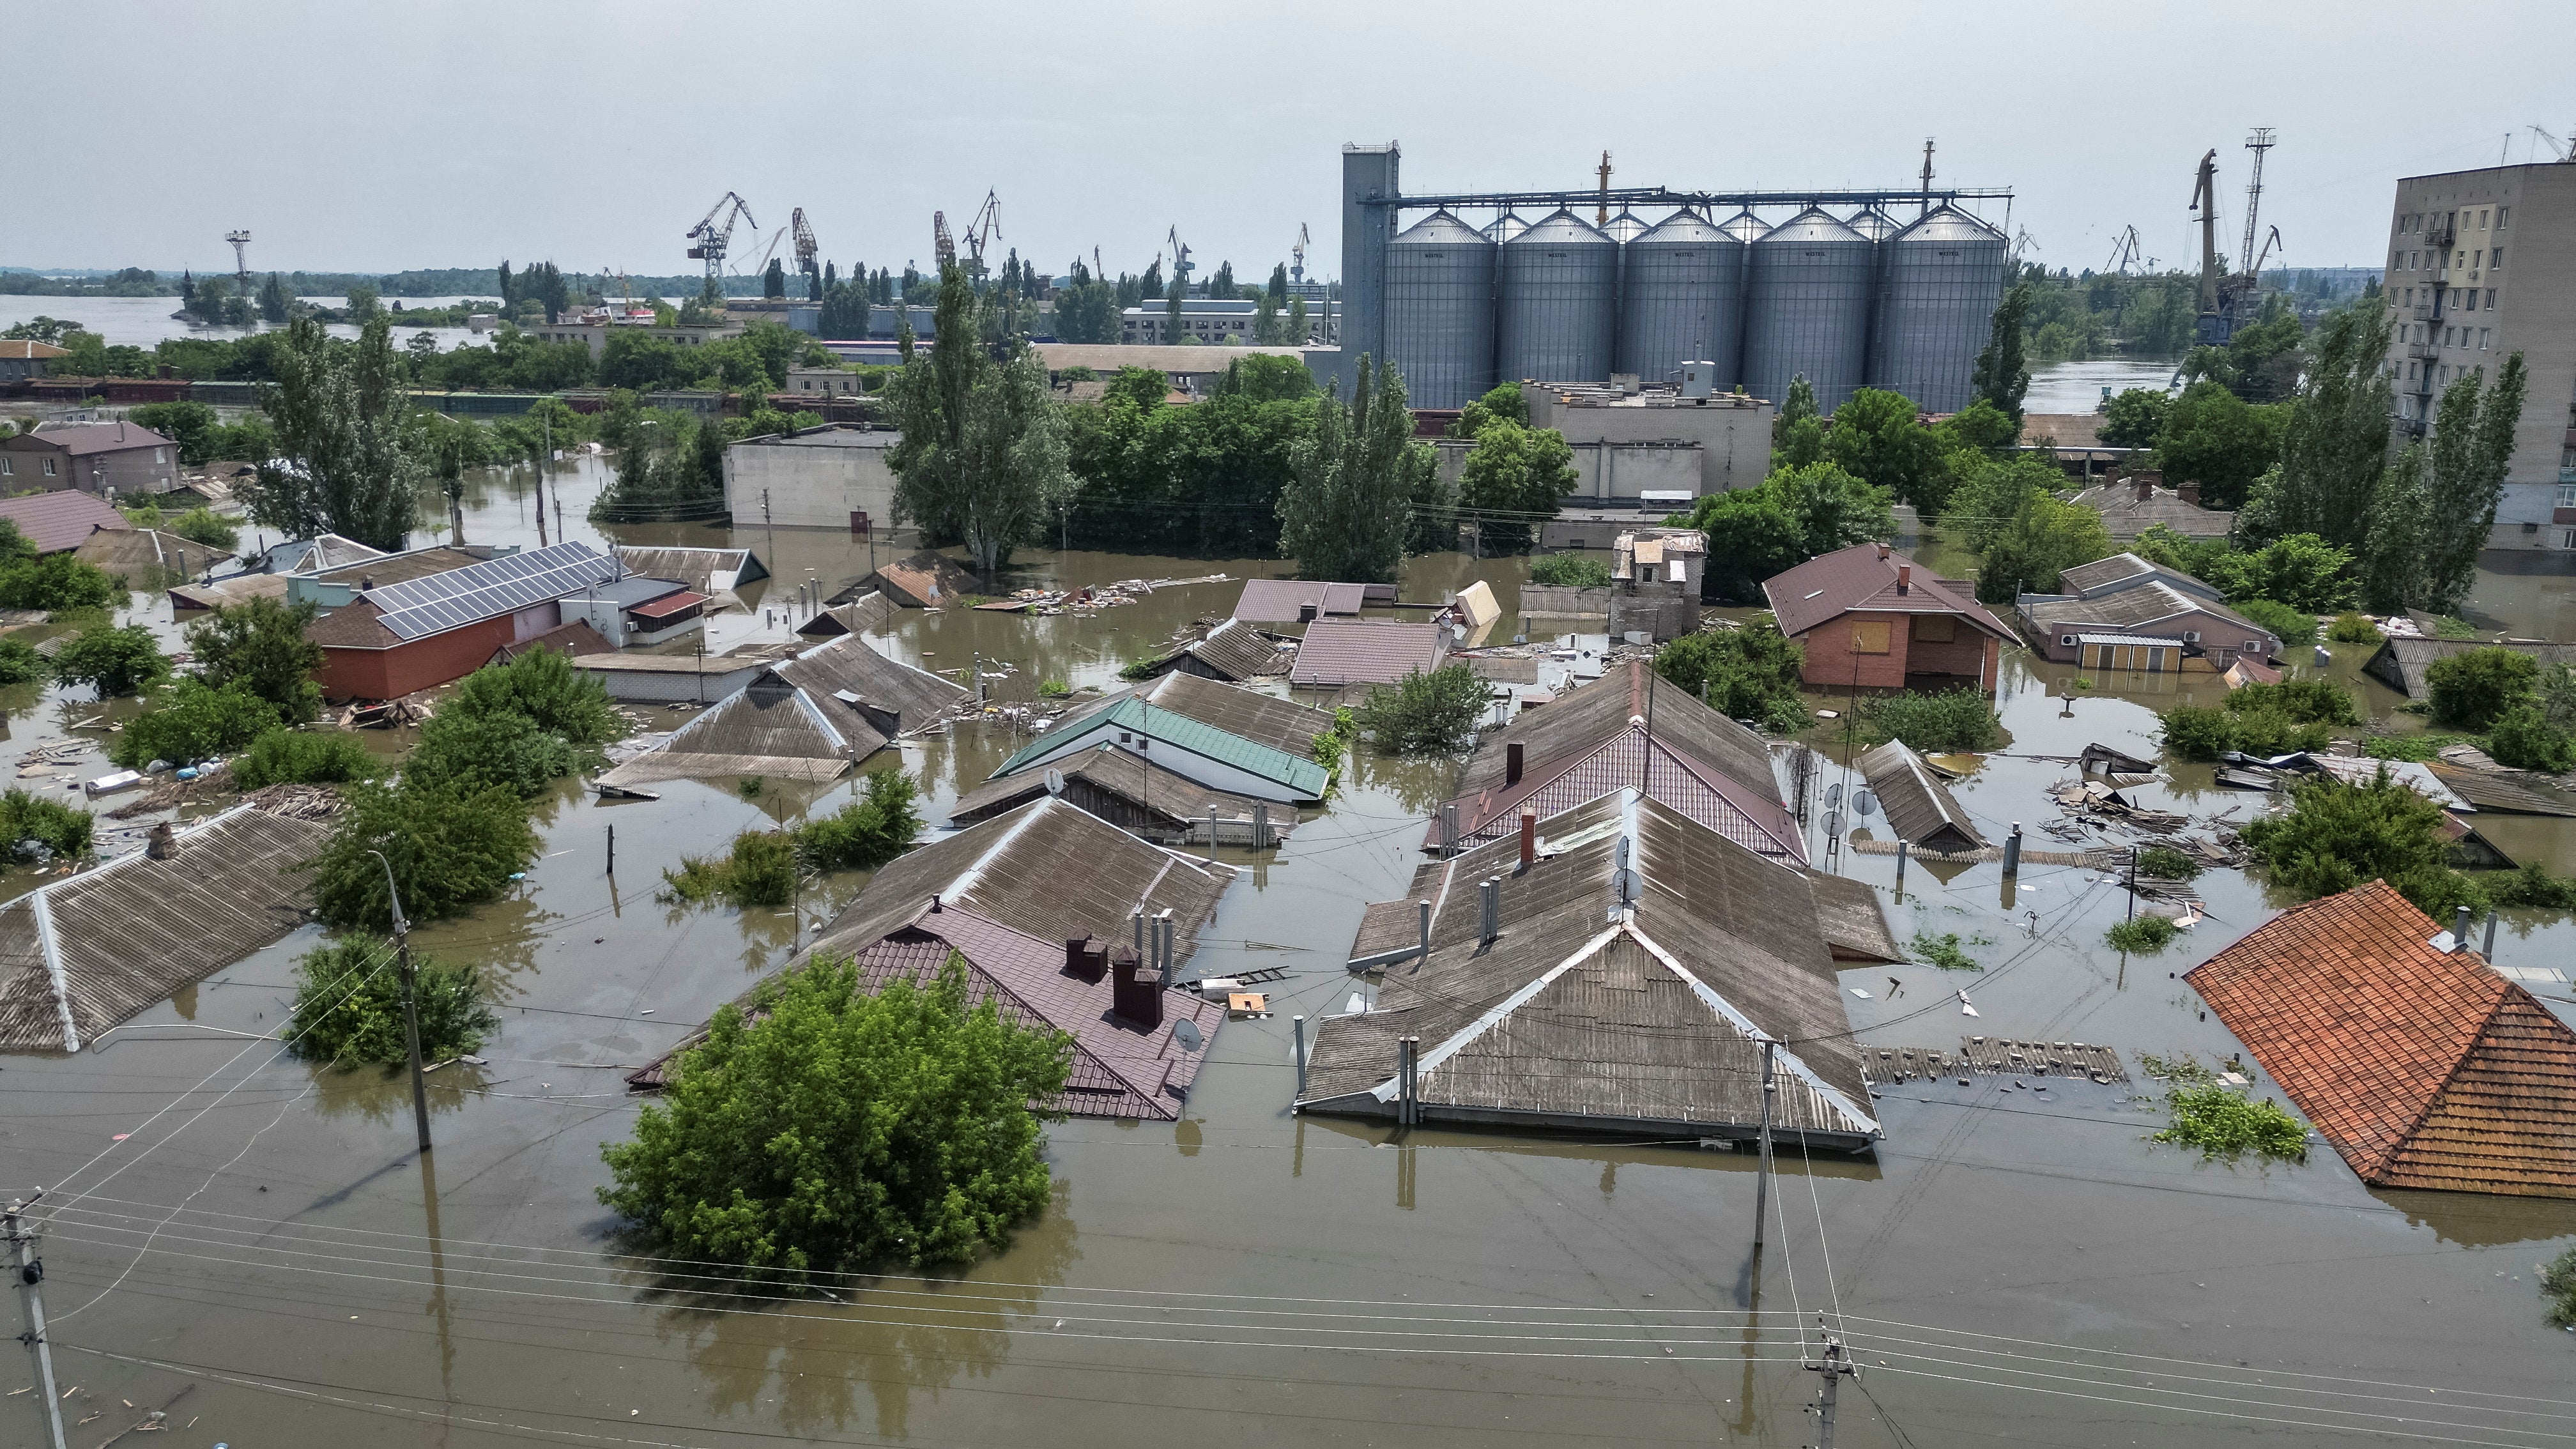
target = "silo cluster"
x: 1859, y: 301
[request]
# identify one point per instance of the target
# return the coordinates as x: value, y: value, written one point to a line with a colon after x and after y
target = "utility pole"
x: 1762, y: 1174
x: 1835, y: 1366
x: 411, y: 1006
x: 31, y: 1273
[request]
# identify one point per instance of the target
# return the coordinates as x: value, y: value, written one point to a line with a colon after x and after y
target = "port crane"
x: 2562, y: 152
x: 2227, y: 299
x: 2125, y: 250
x: 808, y: 254
x: 1182, y: 266
x: 710, y: 237
x: 1297, y: 257
x: 981, y: 232
x: 942, y: 245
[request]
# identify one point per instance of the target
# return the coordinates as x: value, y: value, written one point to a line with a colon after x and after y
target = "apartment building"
x: 2481, y: 265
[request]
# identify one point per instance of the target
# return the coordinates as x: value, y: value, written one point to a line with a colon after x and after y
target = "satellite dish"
x: 1186, y: 1032
x: 1833, y: 797
x: 1864, y: 802
x: 1055, y: 782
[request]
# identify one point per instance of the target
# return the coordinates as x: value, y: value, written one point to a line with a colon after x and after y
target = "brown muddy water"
x: 256, y: 1245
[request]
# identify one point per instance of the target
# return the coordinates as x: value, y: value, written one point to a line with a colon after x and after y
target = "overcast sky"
x: 378, y: 137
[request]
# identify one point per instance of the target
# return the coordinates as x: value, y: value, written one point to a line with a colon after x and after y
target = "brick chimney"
x: 1512, y: 758
x: 1882, y: 550
x: 1529, y: 839
x: 1135, y: 991
x: 2188, y: 493
x: 1085, y: 959
x: 1905, y: 578
x: 2146, y: 488
x: 163, y: 843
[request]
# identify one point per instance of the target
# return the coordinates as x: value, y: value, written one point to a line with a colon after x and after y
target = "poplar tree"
x: 2472, y: 445
x: 982, y: 460
x: 2002, y: 377
x: 2334, y: 448
x: 346, y: 463
x: 1345, y: 511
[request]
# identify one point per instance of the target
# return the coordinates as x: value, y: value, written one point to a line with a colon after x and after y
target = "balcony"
x: 2567, y: 475
x: 2423, y: 349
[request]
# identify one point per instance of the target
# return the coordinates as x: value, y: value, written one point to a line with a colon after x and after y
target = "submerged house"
x: 1614, y: 968
x: 2123, y: 614
x: 2419, y: 1062
x: 1046, y: 906
x: 811, y: 718
x: 2401, y: 663
x: 1872, y: 618
x: 1231, y: 650
x: 1341, y: 652
x: 1920, y: 808
x: 1630, y: 727
x: 869, y: 613
x: 1214, y: 758
x: 84, y: 952
x: 925, y: 580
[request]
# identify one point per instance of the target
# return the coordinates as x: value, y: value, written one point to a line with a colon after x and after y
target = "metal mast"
x: 2258, y: 143
x: 1601, y: 217
x: 241, y: 259
x: 1927, y: 178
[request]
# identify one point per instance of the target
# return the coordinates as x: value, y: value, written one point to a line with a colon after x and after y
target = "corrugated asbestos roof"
x: 1833, y: 584
x: 2422, y: 1068
x: 850, y: 663
x: 868, y: 613
x: 1282, y: 601
x: 1232, y: 649
x: 1640, y: 963
x: 85, y: 952
x: 2400, y: 663
x: 61, y: 520
x: 1920, y: 809
x: 1148, y: 787
x: 769, y: 727
x: 926, y: 580
x: 1366, y: 651
x: 699, y: 568
x: 1583, y: 746
x: 2148, y: 602
x: 1264, y: 719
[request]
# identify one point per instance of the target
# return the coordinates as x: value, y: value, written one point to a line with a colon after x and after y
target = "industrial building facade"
x: 1872, y: 299
x: 2459, y: 307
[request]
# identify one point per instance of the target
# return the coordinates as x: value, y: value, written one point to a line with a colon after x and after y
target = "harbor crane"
x: 2564, y: 153
x: 767, y: 252
x: 241, y: 259
x: 808, y: 253
x: 2125, y: 250
x: 2227, y: 298
x: 710, y: 237
x: 1297, y: 257
x: 984, y: 230
x: 1098, y: 272
x: 1182, y: 266
x: 942, y: 245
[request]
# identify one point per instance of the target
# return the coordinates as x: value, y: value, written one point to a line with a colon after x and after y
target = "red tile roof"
x: 668, y: 604
x: 2423, y: 1068
x: 60, y: 520
x: 1859, y: 577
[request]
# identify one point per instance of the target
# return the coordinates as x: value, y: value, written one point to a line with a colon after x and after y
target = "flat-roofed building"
x: 835, y: 476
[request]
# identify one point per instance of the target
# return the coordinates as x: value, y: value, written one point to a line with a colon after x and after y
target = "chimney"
x: 1882, y: 550
x: 1529, y: 839
x: 2460, y: 929
x: 2188, y: 493
x: 1512, y: 763
x: 1905, y: 578
x: 2146, y: 488
x: 1491, y: 892
x: 1166, y: 927
x: 163, y: 843
x: 1306, y: 613
x: 1135, y: 997
x: 1425, y: 908
x: 1084, y: 960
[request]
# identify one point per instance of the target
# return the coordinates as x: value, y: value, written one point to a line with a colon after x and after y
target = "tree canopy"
x: 982, y: 459
x: 1345, y: 513
x: 346, y: 462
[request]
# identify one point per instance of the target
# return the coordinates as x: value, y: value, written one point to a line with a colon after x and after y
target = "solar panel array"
x: 418, y: 608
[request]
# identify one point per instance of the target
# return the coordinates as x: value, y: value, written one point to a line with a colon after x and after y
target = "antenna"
x: 241, y: 262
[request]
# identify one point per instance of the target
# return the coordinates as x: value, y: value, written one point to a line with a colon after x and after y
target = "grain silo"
x: 1627, y: 226
x: 1806, y: 309
x: 1557, y: 302
x: 1681, y: 299
x: 1440, y: 311
x: 1939, y: 281
x: 1745, y: 227
x: 1504, y: 227
x: 1873, y: 223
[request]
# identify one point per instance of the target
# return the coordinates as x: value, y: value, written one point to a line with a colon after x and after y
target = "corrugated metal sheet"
x: 1920, y: 809
x: 1120, y: 788
x: 1366, y: 651
x: 1232, y: 650
x: 88, y: 951
x: 1439, y: 311
x: 1264, y: 719
x: 707, y: 570
x: 869, y: 613
x: 1806, y: 310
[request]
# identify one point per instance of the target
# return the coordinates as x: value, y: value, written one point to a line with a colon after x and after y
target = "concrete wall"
x: 1607, y: 470
x: 1733, y: 435
x: 809, y: 485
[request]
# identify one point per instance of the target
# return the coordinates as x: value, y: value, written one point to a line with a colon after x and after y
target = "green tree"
x: 1747, y: 673
x: 2524, y: 739
x: 1501, y: 403
x: 304, y: 757
x: 983, y: 459
x: 1752, y: 536
x: 541, y: 684
x: 2468, y: 690
x: 346, y: 463
x: 450, y: 849
x: 57, y: 583
x: 1990, y: 495
x: 2334, y: 441
x: 2300, y: 570
x: 191, y: 722
x: 116, y: 661
x: 21, y: 664
x: 1423, y: 714
x: 259, y: 646
x: 1833, y: 508
x: 1173, y: 306
x: 843, y: 1129
x: 184, y: 422
x: 471, y: 752
x: 2216, y: 439
x: 1266, y: 379
x: 1962, y: 718
x: 203, y: 525
x: 2392, y: 564
x: 1878, y: 437
x: 1569, y: 571
x: 2046, y: 537
x: 57, y: 827
x: 1797, y: 431
x: 2471, y: 447
x: 1512, y: 480
x: 2135, y: 418
x: 2002, y: 378
x: 867, y: 832
x: 349, y: 1006
x: 2336, y: 836
x: 773, y: 281
x: 1345, y: 510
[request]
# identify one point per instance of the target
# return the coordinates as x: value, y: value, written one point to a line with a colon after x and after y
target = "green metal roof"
x: 1180, y: 731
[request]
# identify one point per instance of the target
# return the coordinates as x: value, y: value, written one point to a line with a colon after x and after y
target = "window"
x: 2490, y: 299
x: 2503, y: 214
x: 2482, y: 218
x: 2567, y: 538
x: 160, y: 455
x: 2478, y: 258
x: 1935, y: 628
x: 2567, y: 495
x: 2449, y: 335
x: 1869, y: 636
x: 2483, y: 334
x: 2497, y: 259
x: 49, y: 467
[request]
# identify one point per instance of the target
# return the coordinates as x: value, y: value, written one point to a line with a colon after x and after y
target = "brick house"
x: 1870, y: 617
x: 386, y: 641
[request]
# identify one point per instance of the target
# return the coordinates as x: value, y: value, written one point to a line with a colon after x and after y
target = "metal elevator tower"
x: 2261, y: 141
x: 241, y: 259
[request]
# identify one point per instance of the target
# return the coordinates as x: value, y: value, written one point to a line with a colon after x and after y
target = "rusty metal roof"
x: 1863, y: 577
x: 2421, y: 1067
x: 87, y: 951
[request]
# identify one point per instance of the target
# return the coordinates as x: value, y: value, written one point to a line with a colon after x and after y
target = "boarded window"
x: 1869, y: 636
x: 1935, y: 628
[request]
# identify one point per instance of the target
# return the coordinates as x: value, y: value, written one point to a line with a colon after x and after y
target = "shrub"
x: 2226, y: 1124
x: 348, y: 1006
x: 2525, y: 740
x: 474, y: 752
x: 303, y: 757
x: 2261, y: 719
x: 1054, y: 689
x: 867, y: 832
x: 201, y: 525
x: 2336, y: 836
x: 260, y: 646
x: 59, y: 828
x: 1945, y: 951
x: 2352, y: 629
x: 2533, y: 886
x: 2414, y: 749
x: 1746, y: 673
x: 115, y: 661
x: 2293, y: 626
x: 2558, y: 1283
x: 56, y: 583
x: 2163, y: 862
x: 190, y: 722
x: 2446, y: 627
x: 541, y: 684
x: 1569, y: 570
x: 2301, y: 701
x: 844, y: 1129
x: 450, y: 848
x: 21, y: 664
x: 1960, y: 719
x: 2468, y: 690
x: 760, y: 870
x: 2143, y: 934
x: 1426, y: 714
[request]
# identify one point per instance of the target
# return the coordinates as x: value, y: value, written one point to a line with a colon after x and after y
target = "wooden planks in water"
x: 2098, y: 859
x: 1991, y: 1056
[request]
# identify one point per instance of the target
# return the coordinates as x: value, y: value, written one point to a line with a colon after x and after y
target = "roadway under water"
x: 2015, y: 1266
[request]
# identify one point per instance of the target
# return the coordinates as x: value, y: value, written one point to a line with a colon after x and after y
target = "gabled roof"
x: 2123, y: 516
x: 61, y: 520
x: 1585, y: 745
x: 699, y: 568
x: 81, y: 440
x: 2134, y: 604
x: 418, y: 608
x: 926, y: 580
x: 1920, y: 809
x: 849, y: 664
x: 1232, y: 649
x: 2421, y: 1067
x: 866, y: 614
x: 29, y: 348
x: 1264, y: 719
x: 1175, y: 800
x: 380, y: 568
x: 90, y: 950
x: 2400, y: 663
x: 1366, y: 651
x: 2124, y: 570
x: 1130, y: 714
x: 768, y: 727
x: 1282, y: 601
x: 1640, y: 965
x: 1865, y: 576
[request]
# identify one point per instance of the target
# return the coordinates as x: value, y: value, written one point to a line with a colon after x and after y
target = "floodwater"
x: 2076, y: 387
x: 144, y: 321
x: 257, y: 1245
